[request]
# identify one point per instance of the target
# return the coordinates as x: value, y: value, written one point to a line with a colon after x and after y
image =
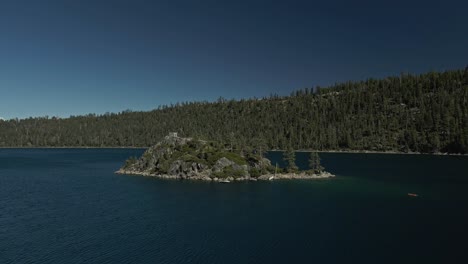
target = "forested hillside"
x: 420, y: 113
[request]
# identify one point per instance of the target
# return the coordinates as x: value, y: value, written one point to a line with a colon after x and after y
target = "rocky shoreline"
x: 204, y: 177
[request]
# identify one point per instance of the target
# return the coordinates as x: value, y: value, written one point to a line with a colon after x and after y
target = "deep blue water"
x: 67, y: 206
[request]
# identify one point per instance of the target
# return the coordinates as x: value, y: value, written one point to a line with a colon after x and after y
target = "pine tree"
x: 290, y: 157
x: 465, y: 74
x: 314, y: 162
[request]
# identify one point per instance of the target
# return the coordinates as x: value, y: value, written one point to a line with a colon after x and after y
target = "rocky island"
x: 195, y: 159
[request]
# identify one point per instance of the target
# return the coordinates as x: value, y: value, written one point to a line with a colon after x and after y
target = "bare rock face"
x: 244, y: 169
x: 222, y: 163
x: 261, y: 163
x: 239, y: 170
x: 174, y: 140
x: 186, y: 169
x: 264, y: 162
x: 176, y: 168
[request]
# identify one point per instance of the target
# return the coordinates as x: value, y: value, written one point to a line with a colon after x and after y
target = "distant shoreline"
x: 273, y: 150
x: 76, y: 147
x: 374, y: 152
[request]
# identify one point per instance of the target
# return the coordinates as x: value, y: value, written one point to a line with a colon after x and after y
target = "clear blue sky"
x: 67, y: 57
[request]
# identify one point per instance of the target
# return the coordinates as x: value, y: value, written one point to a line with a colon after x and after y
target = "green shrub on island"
x: 255, y: 173
x: 215, y: 155
x: 163, y: 167
x: 130, y: 161
x: 191, y: 158
x: 274, y: 170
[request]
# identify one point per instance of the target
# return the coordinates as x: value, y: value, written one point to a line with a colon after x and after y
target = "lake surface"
x: 67, y: 206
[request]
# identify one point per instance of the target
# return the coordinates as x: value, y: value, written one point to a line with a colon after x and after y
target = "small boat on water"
x: 224, y: 181
x: 412, y: 195
x: 271, y: 178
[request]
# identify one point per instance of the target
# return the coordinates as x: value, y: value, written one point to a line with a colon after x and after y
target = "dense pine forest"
x: 409, y: 113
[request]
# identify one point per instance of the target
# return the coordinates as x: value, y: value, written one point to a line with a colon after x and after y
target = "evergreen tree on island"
x: 289, y: 156
x: 314, y: 163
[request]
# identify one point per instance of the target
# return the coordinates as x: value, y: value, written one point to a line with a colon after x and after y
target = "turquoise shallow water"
x: 67, y: 206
